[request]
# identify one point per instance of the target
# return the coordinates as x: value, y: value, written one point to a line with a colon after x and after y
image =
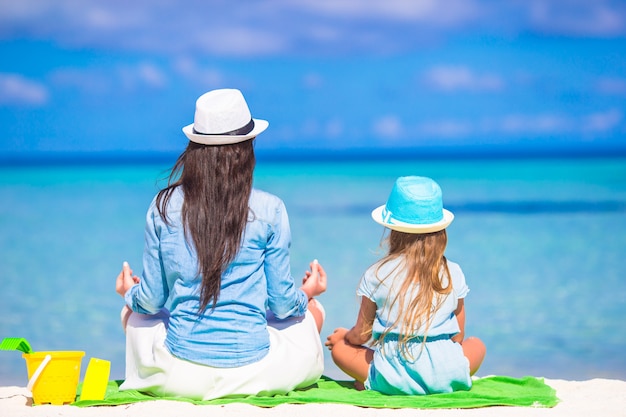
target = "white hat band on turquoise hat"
x: 415, y: 205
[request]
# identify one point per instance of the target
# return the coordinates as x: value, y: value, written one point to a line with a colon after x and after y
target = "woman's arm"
x: 125, y: 280
x: 314, y: 281
x: 284, y: 298
x: 149, y: 294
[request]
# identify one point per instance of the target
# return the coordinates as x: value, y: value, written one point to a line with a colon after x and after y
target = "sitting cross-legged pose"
x: 216, y: 311
x: 412, y: 304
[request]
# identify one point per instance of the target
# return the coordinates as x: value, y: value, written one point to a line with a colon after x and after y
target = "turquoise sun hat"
x: 415, y: 205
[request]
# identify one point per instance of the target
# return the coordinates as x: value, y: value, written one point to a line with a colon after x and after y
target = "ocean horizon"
x: 364, y: 154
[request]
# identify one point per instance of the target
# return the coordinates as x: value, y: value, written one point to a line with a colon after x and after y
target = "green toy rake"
x: 16, y: 343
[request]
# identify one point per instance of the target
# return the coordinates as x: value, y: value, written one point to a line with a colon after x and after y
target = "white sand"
x: 596, y: 397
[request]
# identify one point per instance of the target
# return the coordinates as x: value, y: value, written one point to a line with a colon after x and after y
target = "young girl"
x: 412, y: 304
x: 216, y: 311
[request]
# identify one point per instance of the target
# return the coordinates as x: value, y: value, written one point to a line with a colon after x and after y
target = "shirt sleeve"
x: 364, y: 289
x: 284, y: 299
x: 150, y: 295
x: 458, y: 280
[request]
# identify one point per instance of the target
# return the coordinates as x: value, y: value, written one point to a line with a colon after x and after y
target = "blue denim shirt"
x: 234, y: 333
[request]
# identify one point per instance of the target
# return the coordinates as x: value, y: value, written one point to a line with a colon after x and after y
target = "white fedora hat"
x: 415, y: 205
x: 222, y: 118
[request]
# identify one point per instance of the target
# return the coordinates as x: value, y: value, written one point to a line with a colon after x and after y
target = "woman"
x: 216, y: 312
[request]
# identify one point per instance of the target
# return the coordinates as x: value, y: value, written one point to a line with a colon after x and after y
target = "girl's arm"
x: 346, y: 346
x: 361, y: 332
x: 460, y: 318
x: 473, y: 348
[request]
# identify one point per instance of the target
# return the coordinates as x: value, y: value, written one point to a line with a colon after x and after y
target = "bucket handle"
x: 37, y: 373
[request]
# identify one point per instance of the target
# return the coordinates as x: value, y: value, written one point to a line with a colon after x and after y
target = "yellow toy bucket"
x: 53, y: 376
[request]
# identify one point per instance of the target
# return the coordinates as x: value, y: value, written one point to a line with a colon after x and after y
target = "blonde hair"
x: 425, y: 267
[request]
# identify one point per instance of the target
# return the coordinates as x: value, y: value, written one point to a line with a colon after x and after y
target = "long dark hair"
x: 216, y: 182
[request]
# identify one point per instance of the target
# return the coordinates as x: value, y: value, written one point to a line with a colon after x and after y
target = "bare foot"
x: 359, y: 386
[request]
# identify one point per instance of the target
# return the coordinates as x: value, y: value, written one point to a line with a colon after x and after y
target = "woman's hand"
x: 125, y: 280
x: 314, y: 281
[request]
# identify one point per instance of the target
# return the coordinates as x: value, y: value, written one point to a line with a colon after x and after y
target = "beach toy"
x: 96, y: 379
x: 15, y: 343
x: 35, y: 377
x: 53, y: 375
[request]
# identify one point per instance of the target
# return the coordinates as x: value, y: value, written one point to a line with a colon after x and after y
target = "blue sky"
x: 117, y: 77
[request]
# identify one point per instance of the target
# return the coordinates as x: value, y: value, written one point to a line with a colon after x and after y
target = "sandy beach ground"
x: 596, y: 397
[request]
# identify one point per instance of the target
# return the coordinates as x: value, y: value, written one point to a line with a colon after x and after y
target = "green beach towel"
x: 485, y: 392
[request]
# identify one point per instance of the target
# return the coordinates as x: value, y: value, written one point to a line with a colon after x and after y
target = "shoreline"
x: 596, y: 396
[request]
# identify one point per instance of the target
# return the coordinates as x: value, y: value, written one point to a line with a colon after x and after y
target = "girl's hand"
x: 125, y: 280
x: 314, y: 281
x: 337, y: 336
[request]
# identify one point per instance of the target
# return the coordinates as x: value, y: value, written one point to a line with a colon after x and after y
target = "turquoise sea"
x: 542, y: 243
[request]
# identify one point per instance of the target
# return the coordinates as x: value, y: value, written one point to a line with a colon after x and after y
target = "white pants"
x: 295, y: 360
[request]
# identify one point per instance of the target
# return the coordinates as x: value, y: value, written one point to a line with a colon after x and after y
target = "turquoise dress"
x: 436, y: 366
